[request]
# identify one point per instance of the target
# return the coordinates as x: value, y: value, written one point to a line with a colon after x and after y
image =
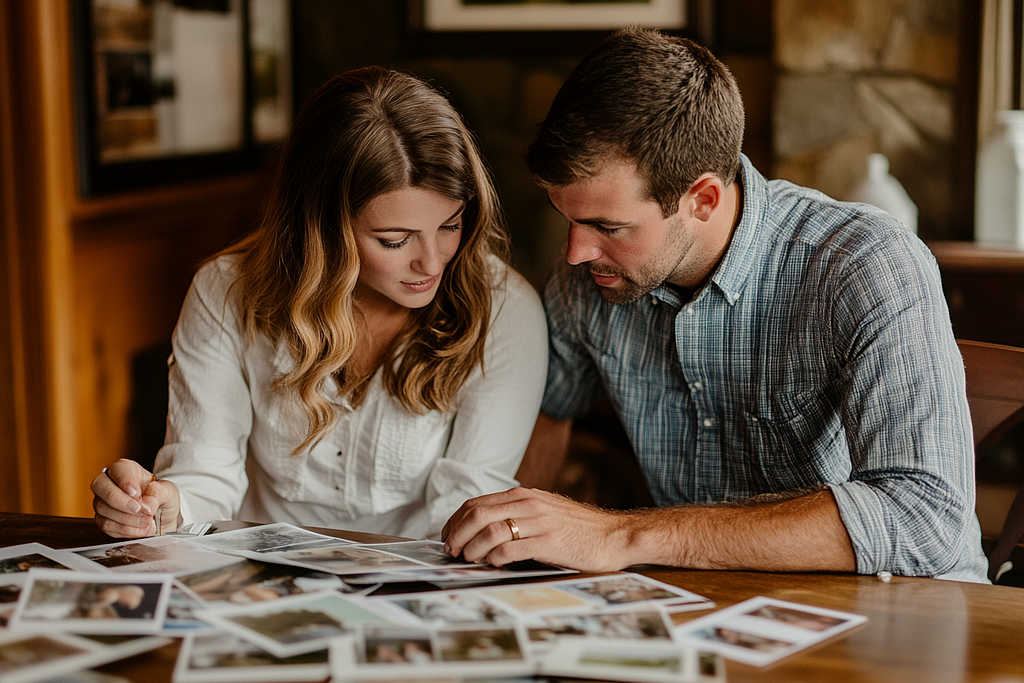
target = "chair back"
x: 995, y: 394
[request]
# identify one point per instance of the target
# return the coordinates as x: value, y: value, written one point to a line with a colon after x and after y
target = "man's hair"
x: 661, y: 102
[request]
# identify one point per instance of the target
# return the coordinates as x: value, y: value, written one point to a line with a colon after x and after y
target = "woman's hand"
x: 131, y: 503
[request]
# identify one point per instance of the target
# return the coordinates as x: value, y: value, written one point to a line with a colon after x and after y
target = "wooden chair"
x: 995, y: 393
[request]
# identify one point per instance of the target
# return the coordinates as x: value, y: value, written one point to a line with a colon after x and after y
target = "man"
x: 783, y: 363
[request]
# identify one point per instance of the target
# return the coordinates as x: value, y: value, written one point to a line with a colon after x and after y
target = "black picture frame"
x: 103, y: 177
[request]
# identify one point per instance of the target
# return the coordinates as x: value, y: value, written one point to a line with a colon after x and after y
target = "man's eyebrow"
x: 412, y: 230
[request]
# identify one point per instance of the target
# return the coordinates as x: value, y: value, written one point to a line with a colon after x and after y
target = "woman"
x: 364, y: 359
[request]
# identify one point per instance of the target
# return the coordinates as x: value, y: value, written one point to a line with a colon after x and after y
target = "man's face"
x: 624, y: 241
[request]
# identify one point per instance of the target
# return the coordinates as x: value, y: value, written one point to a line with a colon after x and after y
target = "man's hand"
x: 128, y: 501
x: 552, y: 529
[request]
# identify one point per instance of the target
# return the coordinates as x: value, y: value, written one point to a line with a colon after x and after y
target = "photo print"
x: 226, y: 658
x: 36, y: 656
x: 299, y: 623
x: 763, y: 630
x: 245, y: 581
x: 93, y: 603
x: 643, y: 661
x: 160, y: 554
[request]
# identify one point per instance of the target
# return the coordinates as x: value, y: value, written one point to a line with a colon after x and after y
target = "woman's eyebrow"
x: 411, y: 230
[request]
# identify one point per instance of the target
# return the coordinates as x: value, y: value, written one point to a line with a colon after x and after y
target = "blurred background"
x: 137, y: 137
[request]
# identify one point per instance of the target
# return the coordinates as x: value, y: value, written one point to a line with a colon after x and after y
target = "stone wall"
x: 862, y: 76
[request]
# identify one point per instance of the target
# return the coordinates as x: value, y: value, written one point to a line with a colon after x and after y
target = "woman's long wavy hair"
x: 362, y: 134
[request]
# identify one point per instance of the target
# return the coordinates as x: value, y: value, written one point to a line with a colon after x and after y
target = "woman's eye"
x: 387, y: 244
x: 454, y: 227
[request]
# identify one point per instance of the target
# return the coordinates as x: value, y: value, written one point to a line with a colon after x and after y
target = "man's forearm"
x: 800, y: 534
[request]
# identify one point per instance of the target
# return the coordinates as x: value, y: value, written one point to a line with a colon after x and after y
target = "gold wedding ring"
x: 514, y: 528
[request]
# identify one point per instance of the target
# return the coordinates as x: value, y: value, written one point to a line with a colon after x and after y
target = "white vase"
x: 880, y: 189
x: 999, y: 191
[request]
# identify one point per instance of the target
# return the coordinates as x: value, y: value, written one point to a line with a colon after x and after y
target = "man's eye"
x: 605, y: 231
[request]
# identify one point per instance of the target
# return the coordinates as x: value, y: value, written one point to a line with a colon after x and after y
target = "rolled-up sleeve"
x: 908, y: 504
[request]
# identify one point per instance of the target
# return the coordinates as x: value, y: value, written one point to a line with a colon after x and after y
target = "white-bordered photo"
x: 401, y: 653
x: 762, y: 630
x: 627, y: 590
x: 224, y: 657
x: 85, y: 602
x: 16, y: 560
x: 451, y: 607
x: 300, y: 623
x: 159, y: 554
x: 424, y: 551
x: 350, y: 559
x: 28, y: 655
x: 181, y: 616
x: 245, y: 581
x: 458, y: 576
x: 644, y: 623
x: 640, y: 661
x: 266, y: 538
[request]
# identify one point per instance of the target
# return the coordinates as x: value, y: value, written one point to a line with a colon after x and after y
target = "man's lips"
x: 604, y: 280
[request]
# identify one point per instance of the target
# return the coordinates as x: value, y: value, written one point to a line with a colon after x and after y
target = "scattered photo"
x: 344, y: 559
x: 296, y: 624
x: 15, y: 561
x: 245, y: 581
x: 644, y: 662
x: 426, y: 552
x: 626, y: 590
x: 392, y: 653
x: 640, y: 624
x: 160, y: 554
x: 536, y: 598
x: 223, y: 657
x: 480, y: 644
x: 452, y: 607
x: 181, y: 614
x: 93, y: 603
x: 460, y: 576
x: 396, y: 646
x: 266, y: 538
x: 763, y: 630
x: 27, y: 655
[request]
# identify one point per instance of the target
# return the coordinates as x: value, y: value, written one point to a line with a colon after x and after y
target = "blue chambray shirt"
x: 820, y: 354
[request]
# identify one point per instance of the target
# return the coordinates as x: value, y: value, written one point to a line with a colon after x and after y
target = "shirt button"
x: 697, y: 386
x: 708, y: 422
x: 689, y: 311
x: 338, y: 454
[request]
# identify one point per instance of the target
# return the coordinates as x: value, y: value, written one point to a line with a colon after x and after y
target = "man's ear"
x: 704, y: 196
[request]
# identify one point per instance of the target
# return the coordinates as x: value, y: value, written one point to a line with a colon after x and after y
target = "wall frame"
x: 178, y: 90
x: 506, y: 15
x: 523, y: 28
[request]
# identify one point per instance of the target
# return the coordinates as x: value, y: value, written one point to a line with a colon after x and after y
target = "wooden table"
x: 924, y: 630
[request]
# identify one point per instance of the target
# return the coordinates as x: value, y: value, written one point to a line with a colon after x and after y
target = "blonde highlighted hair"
x: 362, y: 134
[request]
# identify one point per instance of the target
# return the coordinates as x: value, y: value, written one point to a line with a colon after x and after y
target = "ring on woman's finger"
x: 514, y: 528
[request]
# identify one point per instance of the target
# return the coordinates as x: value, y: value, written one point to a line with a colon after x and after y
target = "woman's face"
x: 406, y: 239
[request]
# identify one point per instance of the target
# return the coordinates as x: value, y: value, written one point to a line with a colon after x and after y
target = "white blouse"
x: 381, y: 469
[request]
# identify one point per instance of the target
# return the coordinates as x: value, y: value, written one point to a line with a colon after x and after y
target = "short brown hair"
x: 662, y: 102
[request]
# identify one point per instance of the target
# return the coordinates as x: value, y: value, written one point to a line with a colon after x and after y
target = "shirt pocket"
x: 801, y: 445
x: 405, y: 450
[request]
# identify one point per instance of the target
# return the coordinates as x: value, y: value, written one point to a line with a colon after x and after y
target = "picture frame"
x: 178, y: 90
x: 553, y: 28
x: 506, y: 15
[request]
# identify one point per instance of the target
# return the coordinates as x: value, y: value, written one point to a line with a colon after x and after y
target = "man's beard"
x: 630, y: 289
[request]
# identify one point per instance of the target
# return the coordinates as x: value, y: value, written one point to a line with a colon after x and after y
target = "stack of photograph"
x: 276, y: 602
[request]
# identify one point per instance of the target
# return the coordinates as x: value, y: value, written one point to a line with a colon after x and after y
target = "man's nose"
x: 581, y: 247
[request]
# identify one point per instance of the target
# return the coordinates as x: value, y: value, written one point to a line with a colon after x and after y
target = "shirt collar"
x: 745, y: 247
